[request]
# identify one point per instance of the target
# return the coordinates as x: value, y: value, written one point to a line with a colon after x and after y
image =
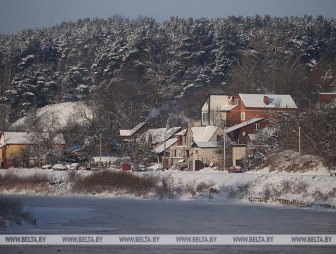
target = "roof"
x: 129, y: 133
x: 22, y: 138
x: 162, y: 147
x: 275, y: 101
x: 161, y: 134
x: 228, y: 107
x: 209, y: 144
x: 181, y: 133
x: 241, y: 125
x: 29, y: 138
x: 330, y: 93
x: 203, y: 133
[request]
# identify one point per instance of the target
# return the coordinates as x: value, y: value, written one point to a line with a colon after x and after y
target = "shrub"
x: 11, y: 209
x: 165, y: 188
x: 36, y: 181
x: 300, y: 187
x: 267, y: 193
x: 201, y: 187
x: 110, y: 181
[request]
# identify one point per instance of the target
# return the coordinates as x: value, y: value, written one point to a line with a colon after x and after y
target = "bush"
x: 111, y: 181
x: 12, y: 181
x: 11, y: 210
x: 201, y: 187
x: 165, y: 188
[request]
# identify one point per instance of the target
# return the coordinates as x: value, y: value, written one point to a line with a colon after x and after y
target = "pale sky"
x: 16, y: 15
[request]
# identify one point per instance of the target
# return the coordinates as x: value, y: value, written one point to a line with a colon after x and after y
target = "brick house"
x: 224, y: 110
x: 250, y: 106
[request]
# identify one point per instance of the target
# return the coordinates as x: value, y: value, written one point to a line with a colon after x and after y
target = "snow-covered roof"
x: 28, y: 138
x: 207, y: 144
x: 202, y: 135
x: 241, y: 125
x: 161, y: 134
x: 274, y: 101
x: 181, y: 133
x: 108, y: 158
x: 128, y: 133
x: 330, y: 93
x: 168, y: 144
x: 228, y: 107
x: 16, y: 138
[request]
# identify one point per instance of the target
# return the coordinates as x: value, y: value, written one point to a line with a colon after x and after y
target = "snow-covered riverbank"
x: 314, y: 186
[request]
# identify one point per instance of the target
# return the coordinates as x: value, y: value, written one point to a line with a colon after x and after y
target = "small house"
x: 12, y: 145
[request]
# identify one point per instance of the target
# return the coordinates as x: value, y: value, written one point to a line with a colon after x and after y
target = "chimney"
x: 266, y: 99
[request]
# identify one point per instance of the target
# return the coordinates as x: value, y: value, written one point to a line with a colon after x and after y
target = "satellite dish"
x: 244, y: 133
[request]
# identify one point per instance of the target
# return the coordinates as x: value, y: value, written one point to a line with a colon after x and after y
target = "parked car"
x: 84, y: 166
x: 74, y: 166
x: 58, y: 167
x: 235, y: 169
x: 47, y: 166
x: 139, y: 168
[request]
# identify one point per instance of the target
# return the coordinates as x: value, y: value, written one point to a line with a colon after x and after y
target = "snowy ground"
x: 314, y: 186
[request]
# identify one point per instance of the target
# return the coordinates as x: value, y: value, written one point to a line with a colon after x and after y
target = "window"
x: 257, y: 126
x: 205, y: 117
x: 196, y: 151
x: 242, y: 116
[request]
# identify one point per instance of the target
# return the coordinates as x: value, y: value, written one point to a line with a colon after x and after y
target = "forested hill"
x: 133, y: 68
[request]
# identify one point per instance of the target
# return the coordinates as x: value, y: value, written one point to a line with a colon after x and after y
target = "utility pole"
x: 100, y: 150
x: 299, y: 140
x: 164, y: 146
x: 224, y: 141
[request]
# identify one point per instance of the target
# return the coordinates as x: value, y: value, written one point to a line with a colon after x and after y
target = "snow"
x: 127, y: 133
x: 28, y: 138
x: 160, y: 134
x: 203, y: 134
x: 58, y: 115
x: 275, y: 101
x: 302, y: 186
x: 16, y: 138
x: 239, y: 126
x: 166, y: 145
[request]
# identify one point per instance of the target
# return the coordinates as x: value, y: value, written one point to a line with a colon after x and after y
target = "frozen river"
x: 74, y: 215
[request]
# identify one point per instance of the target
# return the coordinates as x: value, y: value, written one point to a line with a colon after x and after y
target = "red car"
x: 235, y: 169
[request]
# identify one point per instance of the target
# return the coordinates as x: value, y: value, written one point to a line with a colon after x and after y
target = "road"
x: 78, y: 215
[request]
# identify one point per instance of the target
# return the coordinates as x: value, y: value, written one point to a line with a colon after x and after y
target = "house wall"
x: 210, y: 113
x: 241, y: 113
x: 326, y: 97
x: 178, y: 153
x: 238, y: 153
x: 9, y: 152
x: 14, y: 150
x: 205, y: 155
x: 238, y: 135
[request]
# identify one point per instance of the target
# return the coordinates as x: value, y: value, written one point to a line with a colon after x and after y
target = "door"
x: 198, y: 165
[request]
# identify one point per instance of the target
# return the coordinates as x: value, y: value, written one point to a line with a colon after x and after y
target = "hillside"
x: 140, y: 66
x: 57, y: 116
